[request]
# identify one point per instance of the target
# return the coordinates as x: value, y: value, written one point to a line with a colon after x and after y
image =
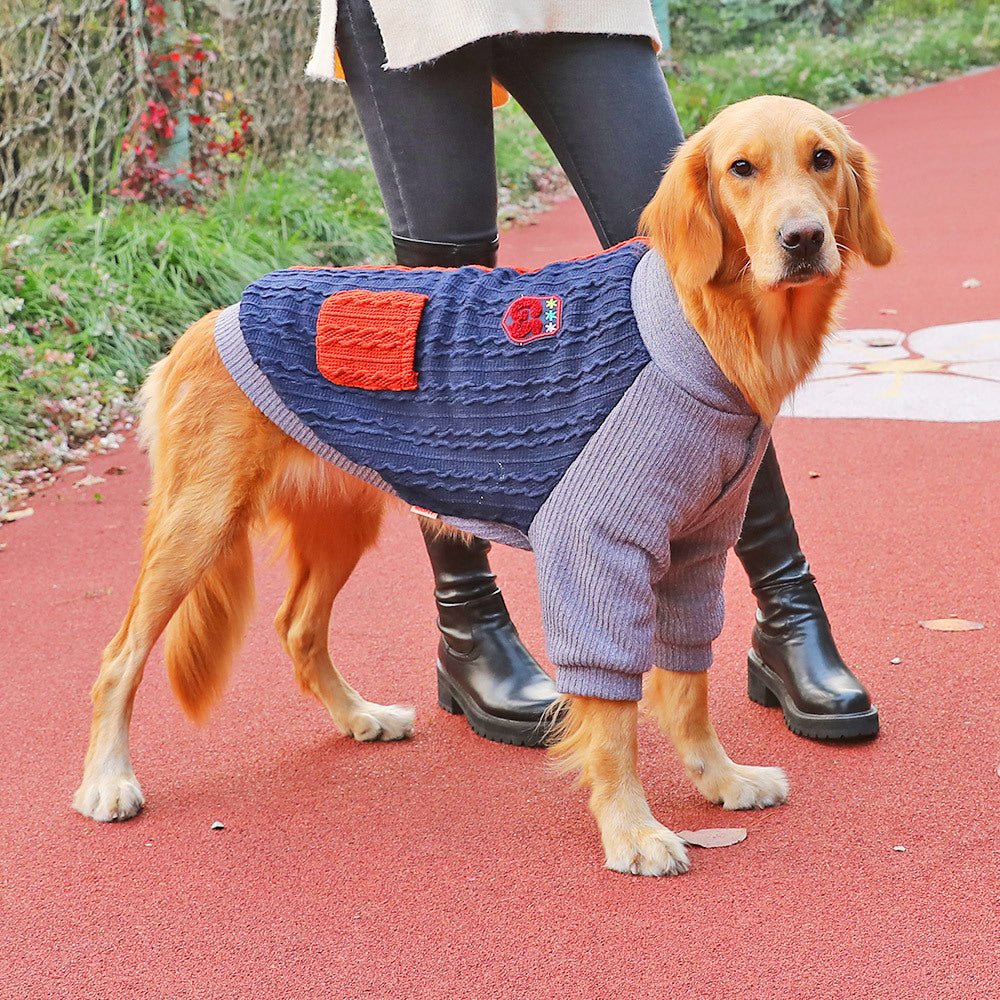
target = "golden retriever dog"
x: 756, y: 218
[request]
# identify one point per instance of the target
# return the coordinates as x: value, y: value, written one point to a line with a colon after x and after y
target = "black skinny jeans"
x: 600, y: 101
x: 603, y: 106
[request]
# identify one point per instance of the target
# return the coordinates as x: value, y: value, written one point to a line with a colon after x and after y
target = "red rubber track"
x: 447, y: 866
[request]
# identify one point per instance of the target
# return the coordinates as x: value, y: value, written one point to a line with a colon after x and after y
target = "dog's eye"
x: 823, y: 159
x: 742, y: 168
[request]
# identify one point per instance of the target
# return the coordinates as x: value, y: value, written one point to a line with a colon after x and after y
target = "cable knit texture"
x: 494, y: 422
x: 614, y: 446
x: 368, y: 339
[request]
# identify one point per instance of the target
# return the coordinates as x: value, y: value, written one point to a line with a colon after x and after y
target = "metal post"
x: 661, y: 14
x: 177, y: 155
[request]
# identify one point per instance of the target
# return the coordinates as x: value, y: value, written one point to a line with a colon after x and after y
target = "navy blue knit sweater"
x: 494, y: 422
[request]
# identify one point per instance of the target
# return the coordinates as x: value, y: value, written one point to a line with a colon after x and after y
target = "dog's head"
x: 773, y: 190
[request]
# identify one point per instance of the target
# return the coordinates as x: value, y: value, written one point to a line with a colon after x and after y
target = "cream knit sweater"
x: 416, y: 32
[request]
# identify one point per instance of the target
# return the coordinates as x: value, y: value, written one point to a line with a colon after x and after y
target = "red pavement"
x: 447, y: 866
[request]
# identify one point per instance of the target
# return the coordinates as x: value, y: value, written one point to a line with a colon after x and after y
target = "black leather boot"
x: 794, y: 661
x: 424, y: 253
x: 484, y: 670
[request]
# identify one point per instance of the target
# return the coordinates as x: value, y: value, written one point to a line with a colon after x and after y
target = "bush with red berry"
x: 182, y: 105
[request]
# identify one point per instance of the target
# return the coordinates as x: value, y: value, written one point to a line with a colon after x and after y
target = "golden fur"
x: 717, y: 233
x: 221, y: 471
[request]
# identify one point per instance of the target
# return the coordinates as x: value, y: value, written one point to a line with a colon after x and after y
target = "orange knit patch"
x: 367, y: 339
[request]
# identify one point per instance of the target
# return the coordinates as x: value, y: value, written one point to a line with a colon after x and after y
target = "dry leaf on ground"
x: 88, y: 481
x: 16, y: 515
x: 951, y: 625
x: 713, y: 837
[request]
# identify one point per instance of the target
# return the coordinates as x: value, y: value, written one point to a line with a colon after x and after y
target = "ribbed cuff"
x: 597, y: 682
x: 683, y: 659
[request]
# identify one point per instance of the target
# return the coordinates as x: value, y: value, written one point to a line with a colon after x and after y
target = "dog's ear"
x: 865, y: 231
x: 680, y: 220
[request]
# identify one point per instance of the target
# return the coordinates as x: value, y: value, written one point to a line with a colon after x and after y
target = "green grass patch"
x: 893, y: 51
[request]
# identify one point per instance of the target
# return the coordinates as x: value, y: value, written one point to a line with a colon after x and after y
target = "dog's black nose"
x: 802, y: 238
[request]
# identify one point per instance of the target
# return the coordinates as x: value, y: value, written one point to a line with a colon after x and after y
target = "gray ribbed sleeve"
x: 631, y: 544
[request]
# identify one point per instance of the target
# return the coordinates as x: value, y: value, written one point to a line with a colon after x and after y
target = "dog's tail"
x: 193, y: 514
x: 206, y: 631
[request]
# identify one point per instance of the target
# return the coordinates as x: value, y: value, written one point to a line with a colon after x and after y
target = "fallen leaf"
x: 88, y: 481
x: 218, y: 826
x: 889, y: 312
x: 814, y: 475
x: 972, y: 283
x: 116, y: 470
x: 896, y: 659
x: 16, y: 515
x: 713, y: 837
x: 951, y: 625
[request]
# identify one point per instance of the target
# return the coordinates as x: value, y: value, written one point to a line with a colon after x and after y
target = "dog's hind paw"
x: 646, y: 851
x: 109, y: 798
x: 381, y: 722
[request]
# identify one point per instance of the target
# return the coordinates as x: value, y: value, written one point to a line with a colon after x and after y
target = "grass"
x: 88, y: 299
x: 893, y: 51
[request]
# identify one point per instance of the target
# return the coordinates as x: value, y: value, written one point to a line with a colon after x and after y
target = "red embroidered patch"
x: 367, y: 339
x: 531, y: 317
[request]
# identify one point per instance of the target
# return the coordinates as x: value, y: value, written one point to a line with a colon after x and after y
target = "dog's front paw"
x: 742, y: 787
x: 113, y: 797
x: 381, y: 722
x: 646, y: 850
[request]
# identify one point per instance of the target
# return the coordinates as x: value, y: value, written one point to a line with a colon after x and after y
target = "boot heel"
x: 757, y: 689
x: 446, y: 699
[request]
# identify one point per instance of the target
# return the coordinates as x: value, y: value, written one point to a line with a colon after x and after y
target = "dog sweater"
x: 571, y: 410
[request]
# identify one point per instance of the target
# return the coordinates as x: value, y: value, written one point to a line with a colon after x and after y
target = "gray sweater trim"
x: 669, y: 337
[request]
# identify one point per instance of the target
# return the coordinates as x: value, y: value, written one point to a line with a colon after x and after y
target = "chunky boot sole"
x: 512, y: 731
x: 765, y: 688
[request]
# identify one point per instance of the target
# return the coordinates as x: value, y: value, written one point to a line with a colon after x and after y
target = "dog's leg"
x: 329, y: 528
x: 173, y: 561
x: 213, y: 456
x: 599, y: 739
x: 679, y: 703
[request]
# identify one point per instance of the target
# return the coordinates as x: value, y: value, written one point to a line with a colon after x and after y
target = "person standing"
x: 423, y: 79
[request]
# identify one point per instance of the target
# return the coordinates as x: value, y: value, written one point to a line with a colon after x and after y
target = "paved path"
x: 447, y: 866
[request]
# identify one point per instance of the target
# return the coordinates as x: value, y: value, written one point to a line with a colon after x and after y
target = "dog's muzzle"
x: 803, y: 243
